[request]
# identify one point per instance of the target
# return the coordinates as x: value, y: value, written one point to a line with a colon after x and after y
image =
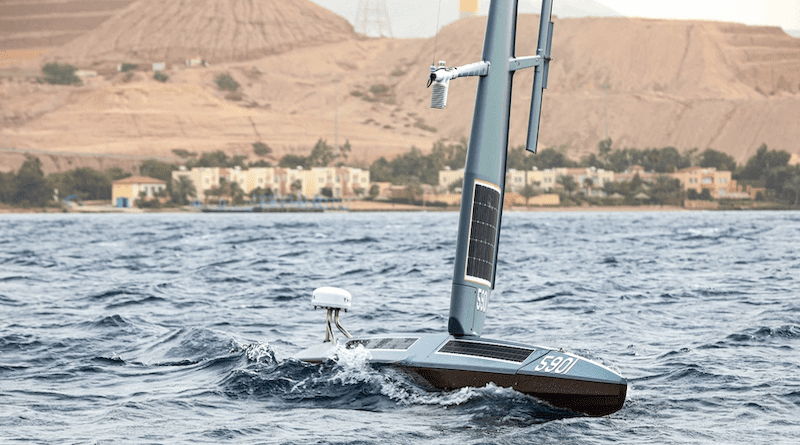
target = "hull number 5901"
x: 556, y: 364
x: 482, y: 302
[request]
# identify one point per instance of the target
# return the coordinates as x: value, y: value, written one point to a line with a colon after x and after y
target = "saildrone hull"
x: 445, y: 362
x: 591, y: 398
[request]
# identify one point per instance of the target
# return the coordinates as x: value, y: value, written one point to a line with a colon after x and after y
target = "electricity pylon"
x: 372, y: 19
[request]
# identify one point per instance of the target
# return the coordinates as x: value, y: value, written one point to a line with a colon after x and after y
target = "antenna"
x: 372, y: 19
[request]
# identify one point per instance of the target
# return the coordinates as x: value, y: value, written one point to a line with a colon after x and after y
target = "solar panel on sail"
x: 483, y: 232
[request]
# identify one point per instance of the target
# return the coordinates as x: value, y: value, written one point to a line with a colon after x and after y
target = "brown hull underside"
x: 591, y: 398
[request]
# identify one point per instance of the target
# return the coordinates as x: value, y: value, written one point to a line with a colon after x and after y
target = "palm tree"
x: 588, y: 184
x: 528, y: 192
x: 413, y: 189
x: 793, y: 187
x: 296, y: 186
x: 568, y: 182
x: 182, y: 190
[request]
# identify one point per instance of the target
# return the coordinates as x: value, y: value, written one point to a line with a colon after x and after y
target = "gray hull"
x: 445, y: 362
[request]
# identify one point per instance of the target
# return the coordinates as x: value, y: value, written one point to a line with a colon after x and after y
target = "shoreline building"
x: 342, y: 182
x: 717, y: 182
x: 591, y: 180
x: 125, y: 192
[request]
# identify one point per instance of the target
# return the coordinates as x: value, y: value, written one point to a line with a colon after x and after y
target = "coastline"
x: 372, y: 206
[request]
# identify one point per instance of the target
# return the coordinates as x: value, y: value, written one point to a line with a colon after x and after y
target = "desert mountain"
x: 651, y: 83
x: 681, y: 83
x: 36, y: 24
x: 214, y: 30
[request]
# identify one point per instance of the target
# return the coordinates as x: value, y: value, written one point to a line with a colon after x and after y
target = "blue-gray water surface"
x: 180, y: 328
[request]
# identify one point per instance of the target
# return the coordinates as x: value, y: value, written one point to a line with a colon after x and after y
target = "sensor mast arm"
x: 444, y: 74
x: 440, y: 79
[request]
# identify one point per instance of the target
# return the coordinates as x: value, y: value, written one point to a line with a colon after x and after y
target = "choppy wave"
x: 181, y: 328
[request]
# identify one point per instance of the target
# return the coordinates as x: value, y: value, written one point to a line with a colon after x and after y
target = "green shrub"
x: 420, y: 123
x: 148, y: 204
x: 376, y: 93
x: 379, y: 89
x: 60, y: 74
x: 125, y: 67
x: 184, y: 153
x: 259, y: 164
x: 160, y: 76
x: 261, y: 149
x: 226, y: 83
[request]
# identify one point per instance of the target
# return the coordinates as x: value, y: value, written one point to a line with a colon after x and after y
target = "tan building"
x: 635, y: 170
x: 343, y: 181
x: 448, y: 177
x: 598, y: 178
x: 203, y: 178
x: 515, y: 179
x: 719, y: 183
x: 545, y: 179
x: 261, y: 178
x: 125, y: 192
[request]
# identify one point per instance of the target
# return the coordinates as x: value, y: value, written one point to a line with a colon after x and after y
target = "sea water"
x: 180, y: 328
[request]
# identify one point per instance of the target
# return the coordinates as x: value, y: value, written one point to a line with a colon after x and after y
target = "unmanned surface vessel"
x: 461, y: 357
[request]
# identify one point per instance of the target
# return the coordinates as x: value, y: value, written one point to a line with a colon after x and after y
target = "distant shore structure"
x: 125, y: 192
x: 467, y: 8
x: 372, y: 19
x: 343, y: 182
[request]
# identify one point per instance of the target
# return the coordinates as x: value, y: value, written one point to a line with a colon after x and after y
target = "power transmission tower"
x: 372, y: 19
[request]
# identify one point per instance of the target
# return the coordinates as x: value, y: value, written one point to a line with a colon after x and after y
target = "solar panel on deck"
x: 486, y: 350
x: 383, y: 343
x: 483, y: 232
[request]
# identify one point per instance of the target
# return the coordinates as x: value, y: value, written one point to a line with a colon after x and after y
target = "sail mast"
x: 484, y: 173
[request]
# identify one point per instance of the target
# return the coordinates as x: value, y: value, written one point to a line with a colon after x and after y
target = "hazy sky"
x: 417, y: 18
x: 783, y: 13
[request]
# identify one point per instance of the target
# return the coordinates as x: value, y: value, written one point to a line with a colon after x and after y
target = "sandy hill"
x: 669, y: 83
x: 681, y: 83
x: 215, y: 30
x: 27, y: 24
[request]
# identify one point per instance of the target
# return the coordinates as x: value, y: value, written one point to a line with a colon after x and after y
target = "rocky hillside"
x: 214, y: 30
x: 31, y: 24
x: 681, y: 83
x: 660, y: 83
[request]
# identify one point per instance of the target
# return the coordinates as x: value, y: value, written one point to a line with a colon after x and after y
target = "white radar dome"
x: 331, y: 298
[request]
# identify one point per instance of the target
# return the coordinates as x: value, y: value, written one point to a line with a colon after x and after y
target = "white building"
x: 341, y: 181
